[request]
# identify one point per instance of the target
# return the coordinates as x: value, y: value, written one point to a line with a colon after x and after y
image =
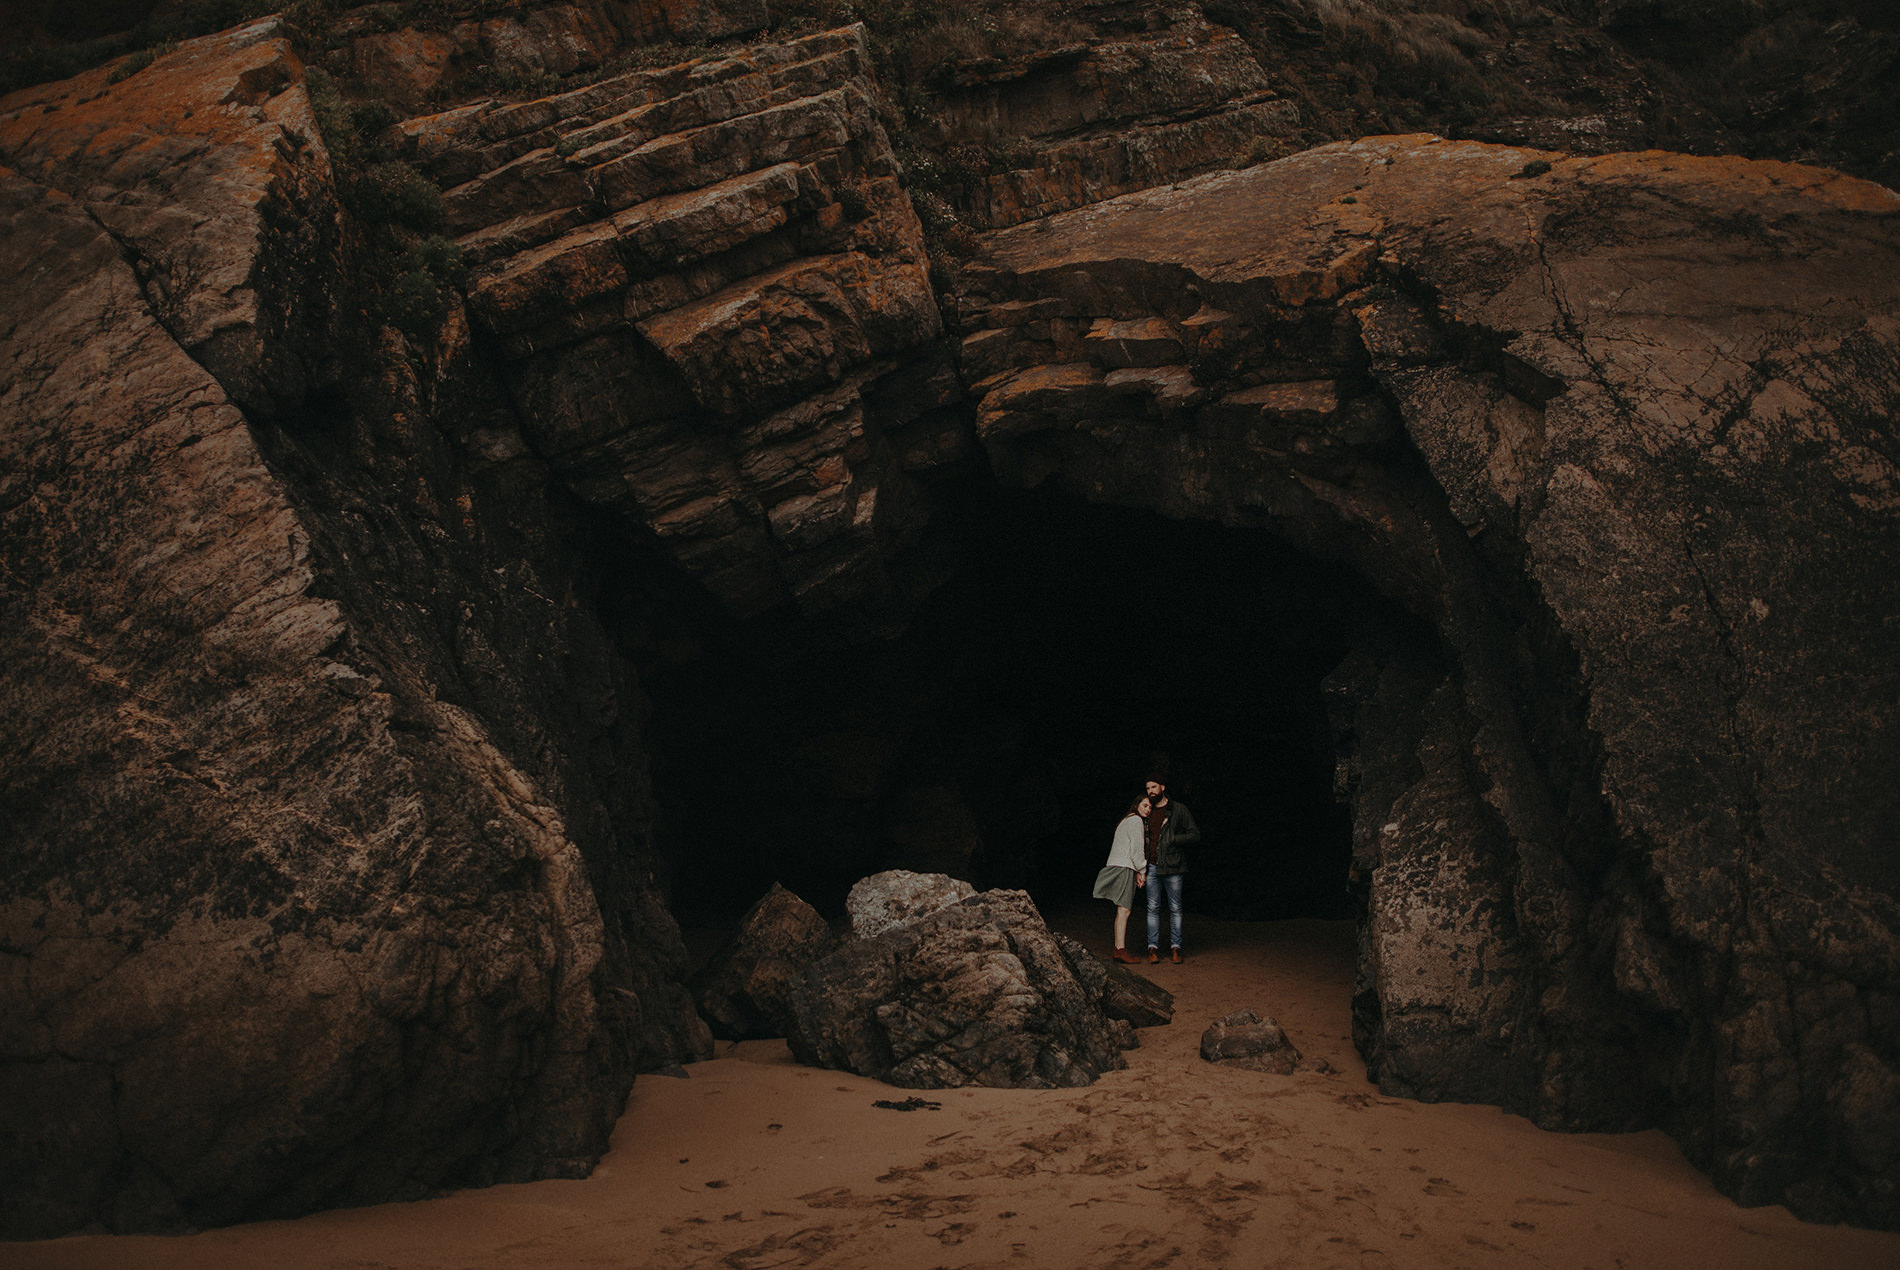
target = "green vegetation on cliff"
x: 397, y: 209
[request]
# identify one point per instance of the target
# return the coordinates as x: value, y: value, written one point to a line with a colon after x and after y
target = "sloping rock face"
x: 1124, y: 995
x: 710, y: 299
x: 313, y: 891
x: 745, y: 990
x: 188, y: 163
x: 1618, y: 432
x: 978, y: 993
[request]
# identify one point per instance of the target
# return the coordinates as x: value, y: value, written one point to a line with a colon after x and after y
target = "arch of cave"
x: 1062, y: 651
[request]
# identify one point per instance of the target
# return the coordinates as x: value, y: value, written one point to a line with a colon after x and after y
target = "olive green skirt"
x: 1116, y: 885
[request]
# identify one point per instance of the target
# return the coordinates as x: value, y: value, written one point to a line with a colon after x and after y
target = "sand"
x: 753, y: 1163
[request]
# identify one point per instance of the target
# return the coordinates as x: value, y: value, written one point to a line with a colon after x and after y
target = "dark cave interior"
x: 1064, y: 651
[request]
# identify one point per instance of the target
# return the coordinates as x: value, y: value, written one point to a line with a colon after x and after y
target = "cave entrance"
x: 1064, y: 650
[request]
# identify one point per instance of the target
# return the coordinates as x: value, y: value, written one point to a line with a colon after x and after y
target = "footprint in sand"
x: 796, y: 1249
x: 954, y: 1233
x: 927, y: 1207
x: 833, y: 1197
x: 910, y: 1206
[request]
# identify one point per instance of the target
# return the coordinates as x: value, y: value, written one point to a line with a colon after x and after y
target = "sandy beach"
x: 755, y: 1163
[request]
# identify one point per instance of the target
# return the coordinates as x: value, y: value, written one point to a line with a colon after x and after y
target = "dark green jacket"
x: 1177, y: 835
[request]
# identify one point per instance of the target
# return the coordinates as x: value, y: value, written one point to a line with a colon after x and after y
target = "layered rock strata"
x: 1618, y: 430
x: 1104, y: 115
x: 711, y: 299
x: 413, y: 64
x: 1124, y: 995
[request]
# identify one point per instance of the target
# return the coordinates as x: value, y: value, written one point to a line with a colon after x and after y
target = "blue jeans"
x: 1155, y: 884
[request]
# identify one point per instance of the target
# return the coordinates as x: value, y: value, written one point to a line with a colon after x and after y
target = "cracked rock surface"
x: 712, y: 307
x: 976, y: 993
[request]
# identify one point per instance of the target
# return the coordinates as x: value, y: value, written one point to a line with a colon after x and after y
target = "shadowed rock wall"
x: 1619, y: 429
x: 708, y: 297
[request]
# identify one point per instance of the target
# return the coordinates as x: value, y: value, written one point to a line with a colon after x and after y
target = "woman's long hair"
x: 1134, y: 808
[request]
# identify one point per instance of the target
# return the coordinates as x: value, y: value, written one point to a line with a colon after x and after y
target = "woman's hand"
x: 1141, y: 878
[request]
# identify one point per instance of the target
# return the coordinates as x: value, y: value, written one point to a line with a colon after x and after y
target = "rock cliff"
x: 328, y: 825
x: 700, y: 284
x: 314, y: 894
x: 1618, y: 430
x: 413, y: 65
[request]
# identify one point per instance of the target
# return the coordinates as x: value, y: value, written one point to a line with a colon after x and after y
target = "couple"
x: 1148, y: 853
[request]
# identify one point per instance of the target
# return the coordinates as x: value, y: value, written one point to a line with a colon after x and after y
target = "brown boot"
x: 1123, y: 955
x: 1154, y: 954
x: 1177, y: 956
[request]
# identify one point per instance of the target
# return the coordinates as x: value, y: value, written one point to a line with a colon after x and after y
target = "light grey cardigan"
x: 1126, y: 851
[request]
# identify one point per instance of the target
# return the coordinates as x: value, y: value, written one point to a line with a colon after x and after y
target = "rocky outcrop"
x: 754, y: 984
x: 412, y: 65
x: 745, y: 990
x: 314, y: 894
x: 710, y: 298
x: 1122, y: 993
x: 1101, y: 114
x: 978, y: 993
x: 1548, y: 406
x: 1243, y: 1039
x: 188, y: 163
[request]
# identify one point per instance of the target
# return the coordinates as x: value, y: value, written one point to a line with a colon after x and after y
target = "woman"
x: 1124, y: 872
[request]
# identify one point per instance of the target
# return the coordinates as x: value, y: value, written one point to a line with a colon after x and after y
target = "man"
x: 1169, y: 832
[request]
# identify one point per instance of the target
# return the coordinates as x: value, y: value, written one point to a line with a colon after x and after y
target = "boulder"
x: 897, y: 897
x: 978, y: 993
x: 1244, y: 1039
x: 744, y: 991
x: 1123, y: 994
